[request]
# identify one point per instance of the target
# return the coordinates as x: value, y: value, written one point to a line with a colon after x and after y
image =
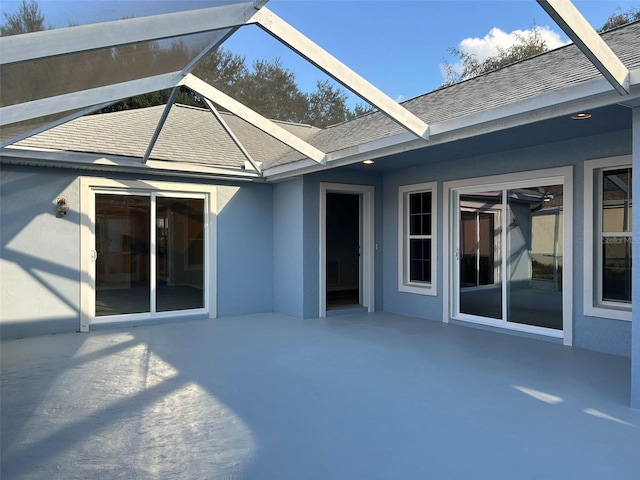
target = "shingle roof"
x: 190, y: 134
x: 193, y: 135
x: 562, y: 67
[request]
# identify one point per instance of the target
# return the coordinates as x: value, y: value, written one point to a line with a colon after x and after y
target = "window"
x: 615, y: 233
x: 417, y: 240
x: 608, y: 233
x: 147, y: 248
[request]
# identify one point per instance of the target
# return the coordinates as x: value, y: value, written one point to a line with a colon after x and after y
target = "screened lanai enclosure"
x: 139, y: 187
x: 53, y: 77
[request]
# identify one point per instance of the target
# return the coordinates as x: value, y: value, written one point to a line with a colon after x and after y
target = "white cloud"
x: 496, y: 38
x: 488, y: 45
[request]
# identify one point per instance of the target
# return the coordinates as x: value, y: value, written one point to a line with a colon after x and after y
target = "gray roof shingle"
x: 193, y: 135
x: 559, y: 68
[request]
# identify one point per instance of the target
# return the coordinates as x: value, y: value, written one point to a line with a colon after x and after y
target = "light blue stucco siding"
x: 312, y: 231
x: 288, y: 248
x: 244, y: 249
x: 39, y: 256
x: 606, y: 335
x: 40, y: 273
x: 635, y: 335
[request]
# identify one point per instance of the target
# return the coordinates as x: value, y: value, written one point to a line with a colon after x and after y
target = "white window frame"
x: 451, y: 189
x: 89, y: 186
x: 404, y: 284
x: 593, y: 305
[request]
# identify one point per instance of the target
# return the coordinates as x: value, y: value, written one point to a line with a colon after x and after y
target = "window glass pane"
x: 480, y: 286
x: 426, y: 202
x: 123, y: 264
x: 616, y: 200
x: 415, y: 203
x: 534, y: 260
x: 616, y: 269
x: 426, y: 224
x: 420, y: 213
x: 415, y: 225
x: 420, y: 260
x: 617, y: 217
x: 179, y: 253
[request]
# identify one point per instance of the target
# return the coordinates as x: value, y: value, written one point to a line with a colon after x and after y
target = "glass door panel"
x: 179, y: 253
x: 122, y: 236
x: 480, y: 283
x: 534, y: 256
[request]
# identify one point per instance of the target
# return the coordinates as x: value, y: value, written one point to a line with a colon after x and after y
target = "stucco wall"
x: 611, y: 336
x: 312, y: 231
x: 39, y: 261
x: 288, y: 248
x: 40, y: 251
x: 245, y: 249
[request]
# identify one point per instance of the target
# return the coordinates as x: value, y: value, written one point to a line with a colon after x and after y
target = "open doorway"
x: 346, y: 248
x: 343, y: 250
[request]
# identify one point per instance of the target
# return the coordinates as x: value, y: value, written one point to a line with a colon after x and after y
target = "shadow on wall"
x: 39, y: 252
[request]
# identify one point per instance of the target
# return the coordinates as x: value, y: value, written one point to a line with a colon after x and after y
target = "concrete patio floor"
x: 372, y: 396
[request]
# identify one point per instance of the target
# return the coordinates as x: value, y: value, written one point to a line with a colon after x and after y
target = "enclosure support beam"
x: 81, y: 38
x: 288, y: 35
x: 160, y: 125
x: 254, y: 118
x: 86, y: 98
x: 232, y: 135
x: 571, y: 21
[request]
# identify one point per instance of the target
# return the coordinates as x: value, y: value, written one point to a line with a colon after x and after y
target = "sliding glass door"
x: 508, y: 245
x: 479, y: 254
x: 150, y: 253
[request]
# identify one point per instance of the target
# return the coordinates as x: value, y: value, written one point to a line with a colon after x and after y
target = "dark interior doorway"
x: 343, y: 250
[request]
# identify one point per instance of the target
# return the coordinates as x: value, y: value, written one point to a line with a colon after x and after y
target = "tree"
x: 223, y: 70
x: 327, y: 105
x: 271, y: 90
x: 27, y: 19
x: 620, y: 18
x: 266, y: 86
x: 525, y: 46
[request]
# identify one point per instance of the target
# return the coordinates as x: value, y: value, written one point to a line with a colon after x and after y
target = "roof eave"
x: 114, y: 163
x: 587, y: 95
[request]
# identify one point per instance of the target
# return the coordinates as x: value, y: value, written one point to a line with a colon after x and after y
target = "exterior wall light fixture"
x: 581, y: 116
x: 368, y: 162
x: 61, y: 206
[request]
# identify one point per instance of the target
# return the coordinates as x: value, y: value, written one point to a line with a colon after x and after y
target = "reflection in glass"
x: 616, y: 269
x: 534, y: 242
x: 179, y: 253
x: 479, y: 251
x: 122, y: 224
x: 616, y: 201
x: 616, y: 231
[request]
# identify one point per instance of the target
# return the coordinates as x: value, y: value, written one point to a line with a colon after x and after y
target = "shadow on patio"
x: 269, y: 396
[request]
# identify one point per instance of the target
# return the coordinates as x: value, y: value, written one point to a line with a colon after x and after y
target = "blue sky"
x: 399, y: 46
